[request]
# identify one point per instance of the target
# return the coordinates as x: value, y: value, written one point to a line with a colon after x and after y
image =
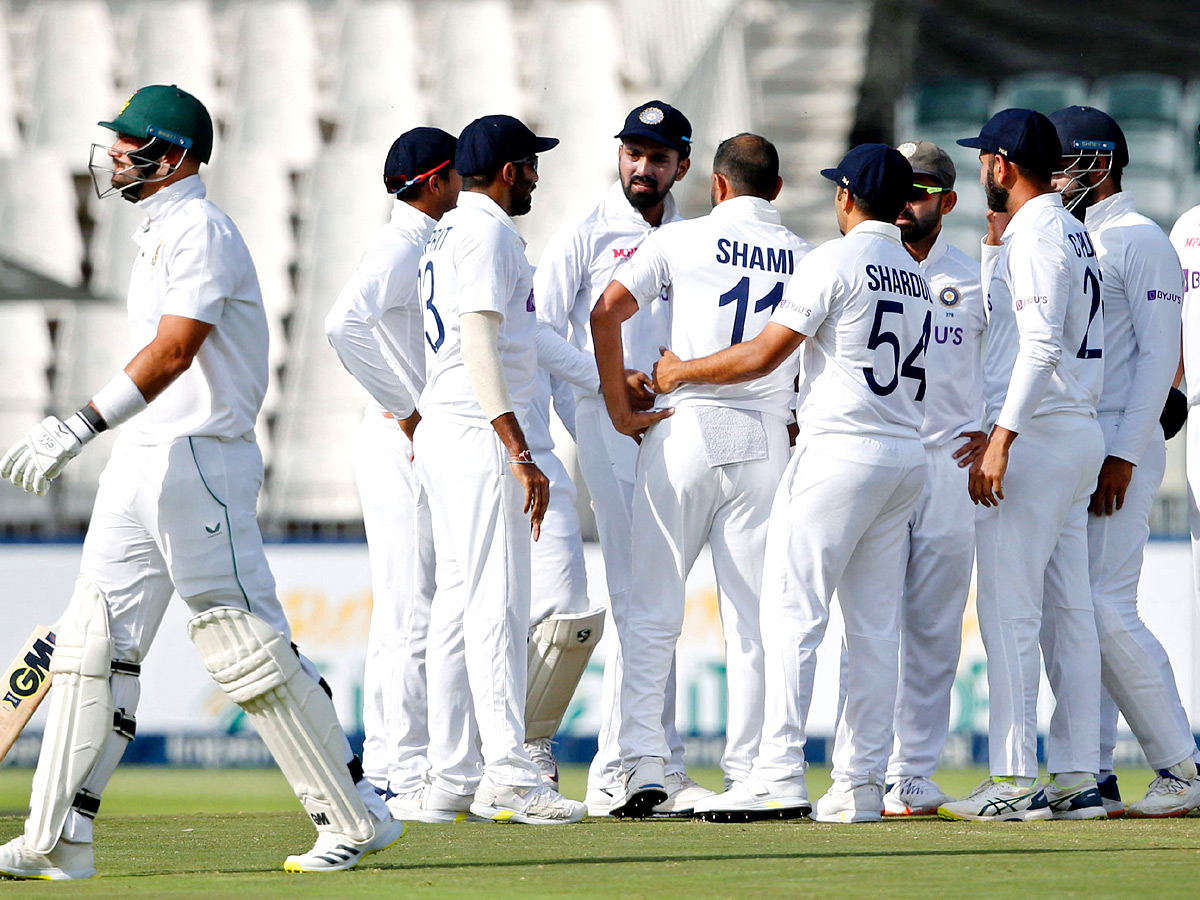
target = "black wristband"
x: 93, y: 419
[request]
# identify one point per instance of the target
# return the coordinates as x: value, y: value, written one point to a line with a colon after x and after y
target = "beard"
x: 918, y: 228
x: 644, y: 200
x: 522, y: 198
x: 997, y: 196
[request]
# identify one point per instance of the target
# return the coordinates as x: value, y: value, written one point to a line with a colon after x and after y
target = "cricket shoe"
x: 1168, y: 797
x: 541, y: 751
x: 67, y: 861
x: 1076, y: 801
x: 754, y: 800
x: 998, y: 799
x: 600, y: 801
x: 913, y: 795
x: 645, y: 788
x: 335, y: 852
x: 440, y: 807
x: 1110, y: 796
x: 682, y: 796
x: 536, y: 805
x: 862, y: 803
x: 406, y: 806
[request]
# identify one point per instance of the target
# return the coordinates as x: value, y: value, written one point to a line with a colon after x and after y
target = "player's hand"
x: 1111, y: 484
x: 972, y: 450
x: 409, y: 427
x: 537, y: 493
x: 35, y: 460
x: 666, y: 371
x: 996, y: 223
x: 635, y: 423
x: 986, y: 480
x: 640, y: 389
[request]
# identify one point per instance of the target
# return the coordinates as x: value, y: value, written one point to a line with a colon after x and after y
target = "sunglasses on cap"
x: 929, y: 189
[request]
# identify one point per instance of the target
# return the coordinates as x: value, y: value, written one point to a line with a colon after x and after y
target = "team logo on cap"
x: 127, y: 102
x: 651, y: 115
x: 907, y: 149
x: 949, y: 296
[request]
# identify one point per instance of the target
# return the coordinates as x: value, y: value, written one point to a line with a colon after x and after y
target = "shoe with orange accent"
x: 912, y: 795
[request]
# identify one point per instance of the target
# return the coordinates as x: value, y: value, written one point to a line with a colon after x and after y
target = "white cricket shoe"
x: 600, y: 801
x: 753, y: 800
x: 1110, y: 796
x: 1168, y: 797
x: 645, y: 788
x: 862, y: 803
x: 998, y: 799
x: 913, y: 795
x: 537, y: 805
x: 541, y: 751
x: 440, y: 807
x: 67, y: 861
x: 406, y: 806
x: 335, y: 852
x: 1076, y: 801
x: 682, y: 796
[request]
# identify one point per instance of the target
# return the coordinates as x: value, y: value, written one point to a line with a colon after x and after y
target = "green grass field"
x: 168, y: 833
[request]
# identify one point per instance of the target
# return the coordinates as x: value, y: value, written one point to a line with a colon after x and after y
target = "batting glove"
x: 1174, y: 414
x: 35, y: 460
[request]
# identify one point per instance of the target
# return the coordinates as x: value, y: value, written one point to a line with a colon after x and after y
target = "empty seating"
x: 958, y: 100
x: 38, y: 222
x: 1043, y: 91
x: 1140, y: 99
x: 476, y: 53
x: 162, y: 58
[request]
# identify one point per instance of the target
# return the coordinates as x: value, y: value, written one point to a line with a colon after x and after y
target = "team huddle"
x: 868, y: 418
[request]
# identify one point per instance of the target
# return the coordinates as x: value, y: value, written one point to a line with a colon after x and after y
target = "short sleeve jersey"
x: 954, y: 362
x: 579, y: 262
x: 724, y: 274
x: 1045, y: 324
x: 474, y: 261
x: 866, y: 311
x: 382, y: 293
x: 193, y: 263
x: 1185, y: 238
x: 1141, y: 290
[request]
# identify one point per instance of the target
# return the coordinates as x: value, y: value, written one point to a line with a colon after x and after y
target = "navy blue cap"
x: 660, y: 122
x: 492, y: 141
x: 1022, y: 136
x: 1085, y: 129
x: 876, y: 173
x: 416, y: 155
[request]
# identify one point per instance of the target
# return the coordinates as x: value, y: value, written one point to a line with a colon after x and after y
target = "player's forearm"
x: 508, y: 429
x: 481, y: 358
x: 741, y: 362
x: 610, y: 362
x: 560, y: 358
x: 357, y: 348
x: 1026, y: 387
x: 1152, y: 374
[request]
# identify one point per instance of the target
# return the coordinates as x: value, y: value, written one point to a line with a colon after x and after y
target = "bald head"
x: 750, y: 163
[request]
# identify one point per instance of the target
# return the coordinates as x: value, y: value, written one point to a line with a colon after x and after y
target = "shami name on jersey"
x: 749, y: 256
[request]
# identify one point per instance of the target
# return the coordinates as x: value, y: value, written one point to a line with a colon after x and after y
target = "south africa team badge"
x: 949, y: 296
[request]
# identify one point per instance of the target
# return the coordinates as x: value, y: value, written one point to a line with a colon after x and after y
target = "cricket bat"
x: 26, y: 681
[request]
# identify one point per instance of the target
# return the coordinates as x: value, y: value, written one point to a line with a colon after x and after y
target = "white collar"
x: 748, y: 208
x: 404, y: 213
x: 482, y: 202
x: 1108, y: 208
x: 162, y: 203
x: 874, y: 226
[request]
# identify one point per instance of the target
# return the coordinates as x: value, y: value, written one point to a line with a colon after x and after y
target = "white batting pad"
x: 559, y: 650
x: 261, y: 673
x: 81, y: 714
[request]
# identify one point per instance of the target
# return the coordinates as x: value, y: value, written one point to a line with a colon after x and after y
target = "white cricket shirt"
x: 574, y: 269
x: 723, y: 274
x: 1142, y: 293
x: 1045, y: 323
x: 1185, y: 237
x: 193, y: 263
x: 954, y: 360
x: 474, y: 261
x: 866, y: 310
x: 376, y: 325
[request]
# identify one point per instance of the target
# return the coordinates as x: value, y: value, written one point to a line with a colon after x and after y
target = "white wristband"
x: 119, y: 400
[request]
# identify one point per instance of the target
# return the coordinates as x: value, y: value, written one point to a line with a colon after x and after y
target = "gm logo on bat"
x: 25, y: 681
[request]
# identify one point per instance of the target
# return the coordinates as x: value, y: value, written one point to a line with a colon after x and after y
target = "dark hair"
x: 1033, y: 174
x: 873, y: 209
x: 482, y: 179
x: 750, y: 162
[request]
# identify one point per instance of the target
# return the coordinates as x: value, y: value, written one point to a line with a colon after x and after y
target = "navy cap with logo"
x: 416, y: 155
x: 875, y: 172
x: 1022, y: 136
x: 1087, y: 131
x: 660, y: 122
x: 491, y: 141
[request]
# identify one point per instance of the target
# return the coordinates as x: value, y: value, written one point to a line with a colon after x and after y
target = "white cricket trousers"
x: 608, y: 460
x: 679, y: 504
x: 481, y: 540
x: 1134, y: 668
x: 838, y: 522
x: 400, y: 541
x: 1033, y: 588
x: 941, y: 552
x: 173, y: 518
x: 558, y: 577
